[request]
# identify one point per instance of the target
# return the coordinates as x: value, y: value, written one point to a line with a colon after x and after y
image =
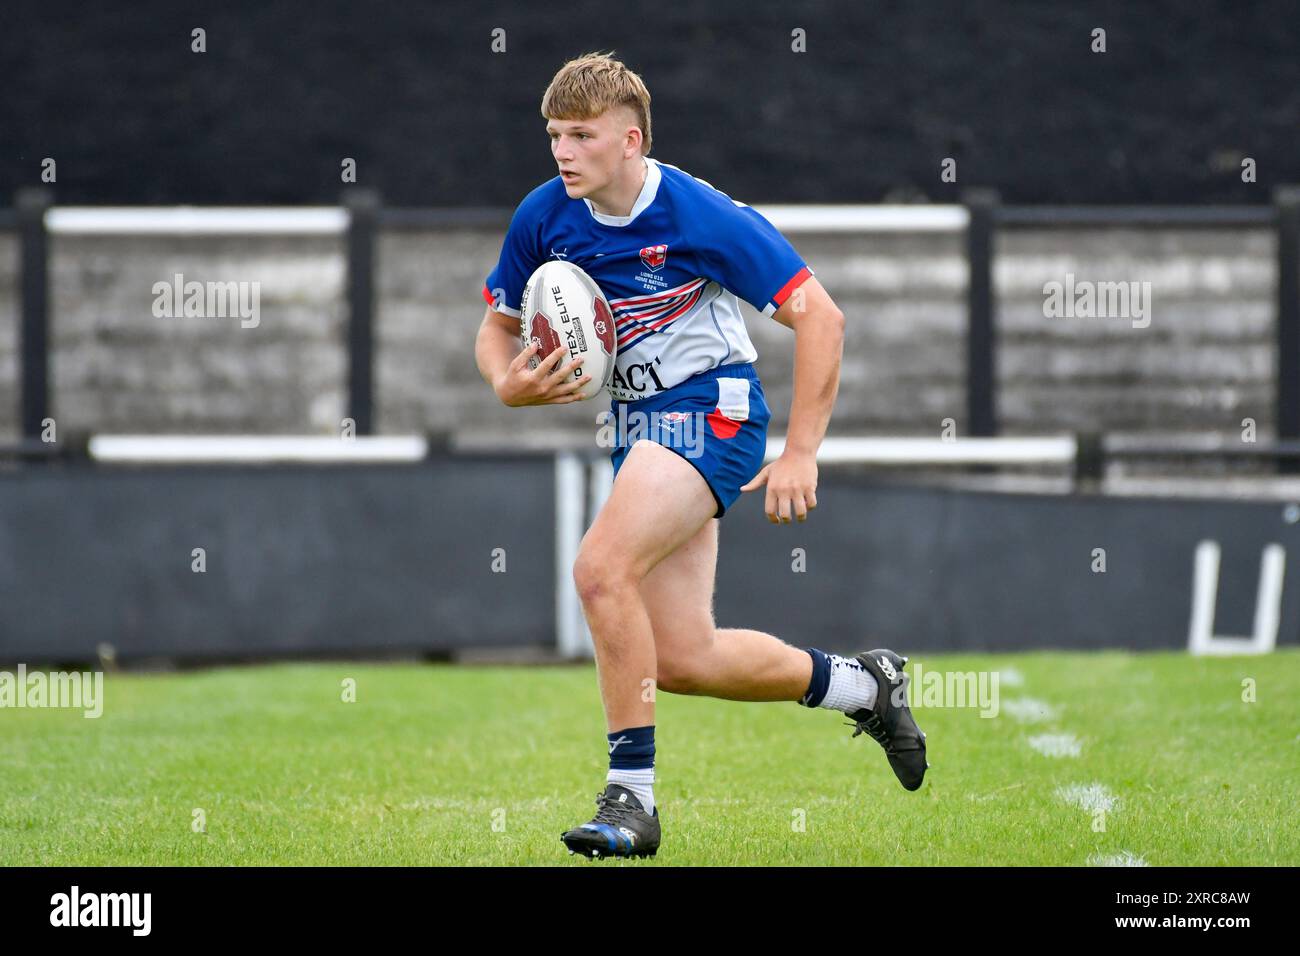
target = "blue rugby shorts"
x: 716, y: 420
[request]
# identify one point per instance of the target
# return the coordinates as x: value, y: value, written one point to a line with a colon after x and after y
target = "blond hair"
x: 586, y: 87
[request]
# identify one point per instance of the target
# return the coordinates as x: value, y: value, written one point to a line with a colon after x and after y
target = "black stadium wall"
x: 949, y: 570
x: 296, y: 560
x: 433, y: 117
x: 460, y: 552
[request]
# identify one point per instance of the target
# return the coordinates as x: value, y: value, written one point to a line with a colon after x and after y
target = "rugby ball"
x: 561, y: 305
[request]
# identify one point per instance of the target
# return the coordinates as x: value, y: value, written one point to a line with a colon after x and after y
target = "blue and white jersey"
x: 672, y: 270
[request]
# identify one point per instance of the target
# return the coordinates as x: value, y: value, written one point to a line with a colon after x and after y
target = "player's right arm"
x: 496, y: 350
x: 506, y: 369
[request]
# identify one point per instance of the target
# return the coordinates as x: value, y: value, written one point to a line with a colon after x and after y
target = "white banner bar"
x: 865, y: 218
x: 197, y: 220
x: 197, y: 449
x: 334, y: 220
x: 937, y: 451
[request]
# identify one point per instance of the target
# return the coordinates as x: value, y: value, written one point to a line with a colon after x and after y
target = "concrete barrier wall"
x: 1204, y: 362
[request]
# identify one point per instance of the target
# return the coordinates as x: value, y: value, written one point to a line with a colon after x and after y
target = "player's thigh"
x: 658, y: 502
x: 678, y: 595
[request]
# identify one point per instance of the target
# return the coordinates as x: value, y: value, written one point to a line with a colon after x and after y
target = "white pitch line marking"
x: 1122, y: 858
x: 1011, y: 677
x: 1088, y: 796
x: 1056, y: 745
x: 1028, y: 710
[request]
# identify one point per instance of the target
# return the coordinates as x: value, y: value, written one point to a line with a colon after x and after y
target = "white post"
x: 571, y: 639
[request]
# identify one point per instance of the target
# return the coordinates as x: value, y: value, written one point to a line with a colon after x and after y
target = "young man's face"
x: 590, y: 153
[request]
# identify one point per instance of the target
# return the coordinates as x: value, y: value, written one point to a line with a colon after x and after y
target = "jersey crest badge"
x: 654, y: 257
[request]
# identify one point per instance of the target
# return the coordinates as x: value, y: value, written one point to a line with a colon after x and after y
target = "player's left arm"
x: 818, y: 326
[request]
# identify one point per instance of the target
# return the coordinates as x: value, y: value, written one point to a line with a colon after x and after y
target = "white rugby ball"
x: 561, y: 305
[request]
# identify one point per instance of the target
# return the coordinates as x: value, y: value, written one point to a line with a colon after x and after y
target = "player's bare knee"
x: 586, y: 579
x: 597, y: 578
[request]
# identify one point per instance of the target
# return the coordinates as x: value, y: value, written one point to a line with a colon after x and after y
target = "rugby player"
x: 672, y: 254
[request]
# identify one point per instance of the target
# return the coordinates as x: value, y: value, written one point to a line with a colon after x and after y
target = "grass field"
x: 459, y: 765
